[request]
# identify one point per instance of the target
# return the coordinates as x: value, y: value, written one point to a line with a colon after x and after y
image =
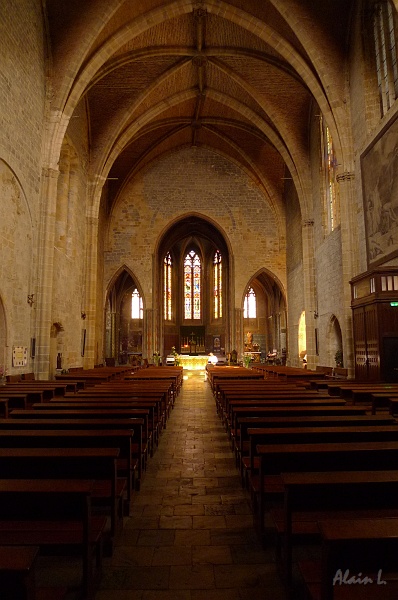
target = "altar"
x: 193, y: 363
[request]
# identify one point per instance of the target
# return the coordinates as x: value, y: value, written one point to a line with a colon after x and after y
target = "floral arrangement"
x: 247, y: 360
x: 156, y: 357
x: 176, y: 356
x: 3, y: 371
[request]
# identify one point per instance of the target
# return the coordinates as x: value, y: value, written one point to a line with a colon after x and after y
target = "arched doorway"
x: 302, y: 339
x: 335, y: 344
x: 192, y: 289
x: 124, y: 320
x: 264, y: 319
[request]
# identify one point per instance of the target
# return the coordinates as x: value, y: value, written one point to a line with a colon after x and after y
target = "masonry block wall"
x: 194, y: 181
x: 22, y: 105
x: 327, y: 256
x: 295, y: 287
x: 200, y: 182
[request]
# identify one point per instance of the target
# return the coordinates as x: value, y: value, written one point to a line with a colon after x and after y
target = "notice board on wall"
x: 19, y: 356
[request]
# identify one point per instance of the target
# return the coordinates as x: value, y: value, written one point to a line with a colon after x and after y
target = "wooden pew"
x: 155, y: 421
x: 17, y: 577
x: 93, y: 413
x: 314, y: 496
x: 49, y: 513
x: 281, y: 402
x: 69, y: 438
x: 244, y: 456
x: 292, y: 411
x: 100, y: 464
x: 349, y: 456
x: 365, y: 546
x: 92, y: 419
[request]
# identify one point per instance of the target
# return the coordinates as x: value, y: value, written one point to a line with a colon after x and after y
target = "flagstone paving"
x: 190, y: 535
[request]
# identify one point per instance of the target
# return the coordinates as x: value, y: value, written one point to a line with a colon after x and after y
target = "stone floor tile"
x: 176, y: 522
x: 209, y: 522
x: 211, y: 555
x: 192, y: 577
x: 221, y: 594
x: 135, y: 578
x: 189, y: 509
x: 120, y: 595
x: 125, y: 556
x: 160, y: 537
x: 166, y: 595
x: 193, y: 537
x: 172, y: 555
x: 246, y: 576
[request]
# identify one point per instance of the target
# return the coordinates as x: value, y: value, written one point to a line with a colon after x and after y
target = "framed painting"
x: 379, y: 167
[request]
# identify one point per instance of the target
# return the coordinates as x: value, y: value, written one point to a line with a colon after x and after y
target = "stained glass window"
x: 217, y: 285
x: 331, y: 193
x: 250, y: 305
x: 331, y: 181
x: 192, y: 285
x: 137, y: 311
x: 385, y: 53
x: 167, y: 287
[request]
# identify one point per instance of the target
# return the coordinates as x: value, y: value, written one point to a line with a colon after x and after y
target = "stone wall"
x: 194, y: 181
x: 22, y: 106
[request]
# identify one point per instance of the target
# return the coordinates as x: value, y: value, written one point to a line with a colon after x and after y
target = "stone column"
x: 62, y: 199
x: 238, y: 342
x: 45, y: 272
x: 310, y: 304
x: 349, y: 244
x: 89, y: 300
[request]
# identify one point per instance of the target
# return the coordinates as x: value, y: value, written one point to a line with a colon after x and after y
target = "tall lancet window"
x: 250, y: 305
x: 167, y: 266
x: 384, y: 28
x: 137, y: 309
x: 329, y: 167
x: 217, y: 273
x: 192, y: 285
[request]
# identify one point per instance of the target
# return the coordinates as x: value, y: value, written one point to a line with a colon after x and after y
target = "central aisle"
x: 190, y: 534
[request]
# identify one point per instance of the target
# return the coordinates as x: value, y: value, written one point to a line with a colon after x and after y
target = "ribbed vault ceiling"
x: 238, y: 77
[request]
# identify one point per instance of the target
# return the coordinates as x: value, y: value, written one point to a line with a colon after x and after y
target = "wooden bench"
x: 52, y: 513
x: 91, y: 412
x: 99, y: 464
x: 156, y: 421
x: 359, y: 549
x: 17, y: 572
x: 279, y: 458
x: 139, y: 448
x: 84, y: 438
x: 342, y: 495
x: 292, y: 411
x: 245, y: 423
x: 281, y: 402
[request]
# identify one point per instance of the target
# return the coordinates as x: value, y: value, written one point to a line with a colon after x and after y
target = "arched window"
x: 384, y: 16
x: 137, y: 311
x: 217, y: 274
x: 192, y: 286
x: 167, y: 287
x: 329, y: 166
x: 250, y: 305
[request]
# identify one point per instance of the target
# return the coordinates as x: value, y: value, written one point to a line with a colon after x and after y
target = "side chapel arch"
x: 198, y: 233
x: 124, y: 336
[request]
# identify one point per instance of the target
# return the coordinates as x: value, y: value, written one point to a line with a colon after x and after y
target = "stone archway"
x: 334, y: 341
x: 193, y: 231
